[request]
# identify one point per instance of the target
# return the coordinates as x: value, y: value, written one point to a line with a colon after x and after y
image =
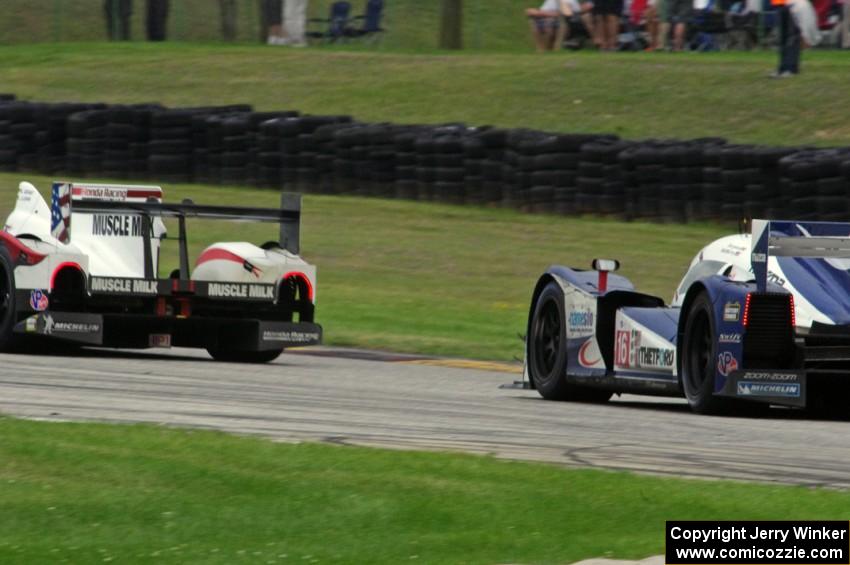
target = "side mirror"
x: 605, y: 265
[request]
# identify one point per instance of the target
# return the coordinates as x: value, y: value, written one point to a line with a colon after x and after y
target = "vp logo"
x: 726, y: 363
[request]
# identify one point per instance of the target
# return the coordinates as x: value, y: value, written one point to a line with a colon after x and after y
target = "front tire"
x: 699, y: 356
x: 547, y: 351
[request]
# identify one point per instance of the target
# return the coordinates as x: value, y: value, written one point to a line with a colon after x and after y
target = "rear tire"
x: 547, y: 351
x: 8, y: 316
x: 699, y: 355
x: 244, y: 356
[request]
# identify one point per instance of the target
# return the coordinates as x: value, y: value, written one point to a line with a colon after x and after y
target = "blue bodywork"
x: 729, y: 300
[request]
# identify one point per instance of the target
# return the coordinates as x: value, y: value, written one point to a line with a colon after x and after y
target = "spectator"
x: 607, y: 23
x: 118, y: 14
x: 157, y: 20
x: 578, y: 12
x: 273, y: 22
x: 679, y: 14
x: 295, y: 22
x: 227, y: 9
x: 798, y: 27
x: 652, y: 25
x: 545, y: 24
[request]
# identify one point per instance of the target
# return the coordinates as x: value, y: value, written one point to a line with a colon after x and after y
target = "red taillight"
x: 302, y: 277
x: 793, y: 313
x: 746, y: 318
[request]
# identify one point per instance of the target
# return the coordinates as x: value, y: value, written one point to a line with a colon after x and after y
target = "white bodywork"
x: 112, y: 245
x: 247, y: 263
x: 730, y: 256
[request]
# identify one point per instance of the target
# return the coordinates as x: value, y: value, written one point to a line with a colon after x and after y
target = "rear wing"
x: 796, y: 239
x: 146, y: 201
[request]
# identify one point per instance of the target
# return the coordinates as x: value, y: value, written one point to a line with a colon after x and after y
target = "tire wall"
x: 534, y: 171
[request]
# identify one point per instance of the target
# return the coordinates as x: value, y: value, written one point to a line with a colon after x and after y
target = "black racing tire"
x: 8, y: 316
x: 699, y: 355
x: 547, y: 351
x: 231, y: 356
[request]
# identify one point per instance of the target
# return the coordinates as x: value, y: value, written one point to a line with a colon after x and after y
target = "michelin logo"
x: 788, y: 390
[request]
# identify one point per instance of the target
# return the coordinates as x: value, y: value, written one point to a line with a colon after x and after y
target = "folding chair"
x: 337, y: 23
x: 371, y: 19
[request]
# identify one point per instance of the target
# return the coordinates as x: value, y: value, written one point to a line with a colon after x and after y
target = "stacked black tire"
x: 8, y: 146
x: 87, y: 141
x: 484, y: 154
x: 518, y: 167
x: 18, y: 129
x: 269, y: 159
x: 407, y: 161
x: 817, y: 183
x: 660, y: 180
x: 601, y: 183
x: 171, y: 146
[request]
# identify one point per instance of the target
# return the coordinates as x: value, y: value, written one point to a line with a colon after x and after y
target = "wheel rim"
x: 547, y: 338
x: 700, y: 362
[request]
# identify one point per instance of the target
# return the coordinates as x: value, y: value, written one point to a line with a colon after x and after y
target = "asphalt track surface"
x: 399, y: 402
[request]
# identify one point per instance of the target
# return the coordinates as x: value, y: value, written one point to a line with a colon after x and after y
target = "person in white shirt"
x: 548, y: 27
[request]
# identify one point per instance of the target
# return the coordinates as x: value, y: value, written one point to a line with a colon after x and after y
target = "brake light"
x: 793, y: 313
x: 746, y: 318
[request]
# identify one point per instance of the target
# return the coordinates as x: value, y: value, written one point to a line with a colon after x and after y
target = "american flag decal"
x: 60, y: 215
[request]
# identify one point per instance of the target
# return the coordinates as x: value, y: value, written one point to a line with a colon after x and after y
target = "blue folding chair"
x: 371, y: 19
x: 337, y: 23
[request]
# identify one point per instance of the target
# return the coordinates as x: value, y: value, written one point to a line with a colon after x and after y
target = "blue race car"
x: 761, y: 317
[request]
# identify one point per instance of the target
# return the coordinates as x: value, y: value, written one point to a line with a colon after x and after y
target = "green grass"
x: 633, y: 95
x: 411, y: 24
x: 89, y: 493
x: 431, y: 278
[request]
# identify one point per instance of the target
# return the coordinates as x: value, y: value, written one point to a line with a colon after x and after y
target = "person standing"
x: 118, y: 14
x: 545, y: 24
x: 798, y: 28
x: 295, y: 22
x: 272, y: 22
x: 679, y: 14
x: 607, y: 23
x: 157, y: 20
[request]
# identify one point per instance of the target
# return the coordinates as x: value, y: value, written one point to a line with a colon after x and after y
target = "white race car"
x: 85, y: 271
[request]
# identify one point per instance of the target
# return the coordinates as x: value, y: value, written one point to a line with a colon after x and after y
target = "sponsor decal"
x: 588, y: 355
x: 729, y: 338
x: 747, y: 388
x: 31, y: 325
x: 159, y: 340
x: 759, y: 257
x: 732, y: 312
x: 629, y: 353
x: 580, y: 320
x: 733, y: 249
x: 622, y: 349
x: 769, y: 376
x: 239, y: 290
x: 655, y: 358
x: 290, y: 336
x: 116, y: 225
x: 726, y: 363
x: 123, y: 286
x: 101, y: 192
x: 38, y: 300
x: 51, y: 327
